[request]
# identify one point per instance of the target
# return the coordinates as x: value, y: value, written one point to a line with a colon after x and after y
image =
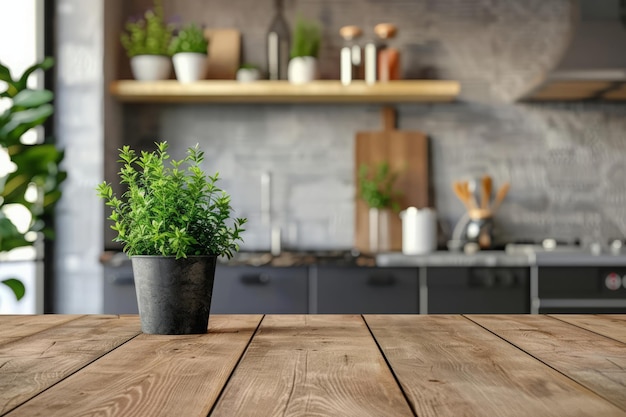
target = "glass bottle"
x: 388, y: 61
x: 370, y: 58
x: 350, y: 57
x: 278, y: 43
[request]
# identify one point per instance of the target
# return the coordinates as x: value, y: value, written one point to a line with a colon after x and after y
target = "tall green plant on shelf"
x: 34, y: 180
x: 306, y: 38
x: 148, y: 35
x: 189, y: 38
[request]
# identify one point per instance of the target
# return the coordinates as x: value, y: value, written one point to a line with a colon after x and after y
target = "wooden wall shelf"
x: 326, y: 91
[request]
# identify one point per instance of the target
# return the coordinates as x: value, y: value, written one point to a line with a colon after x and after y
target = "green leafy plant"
x: 376, y: 188
x: 306, y: 39
x: 171, y: 209
x: 189, y: 39
x: 35, y: 179
x: 248, y: 66
x: 149, y: 35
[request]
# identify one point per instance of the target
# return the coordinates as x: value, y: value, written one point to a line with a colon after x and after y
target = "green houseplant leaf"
x: 16, y: 286
x: 36, y: 165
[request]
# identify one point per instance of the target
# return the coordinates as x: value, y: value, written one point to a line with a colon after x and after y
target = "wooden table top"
x: 316, y: 365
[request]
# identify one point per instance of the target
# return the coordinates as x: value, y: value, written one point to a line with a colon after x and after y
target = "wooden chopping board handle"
x: 389, y: 117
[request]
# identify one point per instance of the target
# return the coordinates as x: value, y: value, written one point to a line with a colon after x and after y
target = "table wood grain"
x: 316, y: 365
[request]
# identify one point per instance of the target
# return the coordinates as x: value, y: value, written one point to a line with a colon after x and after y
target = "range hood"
x: 593, y: 67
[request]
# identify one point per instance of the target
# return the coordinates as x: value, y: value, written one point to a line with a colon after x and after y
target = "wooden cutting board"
x: 224, y: 53
x: 407, y: 154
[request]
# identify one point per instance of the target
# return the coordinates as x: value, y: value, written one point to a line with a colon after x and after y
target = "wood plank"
x: 609, y: 325
x: 152, y: 375
x: 16, y: 327
x: 449, y: 366
x: 592, y: 360
x: 264, y: 91
x: 312, y: 365
x: 32, y: 364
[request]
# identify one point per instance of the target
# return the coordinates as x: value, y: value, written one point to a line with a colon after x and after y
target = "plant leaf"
x: 16, y: 286
x: 32, y: 98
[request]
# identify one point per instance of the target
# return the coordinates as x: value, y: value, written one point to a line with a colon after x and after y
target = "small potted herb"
x: 173, y: 221
x: 247, y: 73
x: 376, y: 188
x: 146, y: 41
x: 189, y: 49
x: 306, y: 39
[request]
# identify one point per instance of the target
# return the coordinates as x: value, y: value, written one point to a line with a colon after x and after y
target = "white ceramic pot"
x: 302, y: 70
x: 246, y: 75
x: 151, y: 67
x: 189, y: 66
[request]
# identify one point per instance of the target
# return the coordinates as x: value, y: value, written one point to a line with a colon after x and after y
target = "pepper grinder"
x: 351, y: 56
x: 388, y: 57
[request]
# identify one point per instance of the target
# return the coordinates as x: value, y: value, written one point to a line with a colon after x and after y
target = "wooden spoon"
x: 504, y: 189
x: 460, y: 193
x: 486, y: 192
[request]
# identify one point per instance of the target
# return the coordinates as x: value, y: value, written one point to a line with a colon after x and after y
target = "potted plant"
x: 376, y: 188
x: 247, y: 73
x: 304, y: 52
x: 32, y: 184
x: 189, y: 49
x: 173, y: 221
x: 146, y: 41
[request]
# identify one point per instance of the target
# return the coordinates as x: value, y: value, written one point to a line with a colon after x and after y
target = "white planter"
x: 189, y: 66
x: 151, y: 67
x: 246, y: 75
x: 302, y: 70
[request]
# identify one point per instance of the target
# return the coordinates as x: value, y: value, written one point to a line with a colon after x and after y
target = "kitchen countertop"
x: 330, y: 365
x: 520, y: 257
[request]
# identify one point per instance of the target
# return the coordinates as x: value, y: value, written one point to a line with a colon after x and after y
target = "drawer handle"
x: 121, y: 279
x: 255, y: 279
x: 381, y: 281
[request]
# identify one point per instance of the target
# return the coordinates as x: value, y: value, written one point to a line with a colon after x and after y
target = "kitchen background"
x: 565, y: 161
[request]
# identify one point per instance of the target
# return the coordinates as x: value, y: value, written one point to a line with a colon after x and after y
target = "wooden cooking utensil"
x: 486, y: 192
x: 460, y: 193
x: 504, y: 189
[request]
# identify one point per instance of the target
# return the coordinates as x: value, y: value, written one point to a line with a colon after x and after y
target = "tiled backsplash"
x: 566, y: 163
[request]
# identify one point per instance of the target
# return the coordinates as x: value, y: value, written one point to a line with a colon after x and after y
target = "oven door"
x: 584, y: 290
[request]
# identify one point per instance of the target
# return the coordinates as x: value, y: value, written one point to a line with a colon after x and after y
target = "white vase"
x: 150, y: 67
x: 246, y: 75
x: 379, y: 230
x: 302, y: 70
x: 189, y: 66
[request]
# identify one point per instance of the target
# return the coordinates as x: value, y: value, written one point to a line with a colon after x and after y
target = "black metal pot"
x: 174, y: 295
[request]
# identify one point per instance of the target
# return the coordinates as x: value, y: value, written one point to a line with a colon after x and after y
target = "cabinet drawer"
x: 347, y: 290
x: 260, y: 290
x: 479, y: 290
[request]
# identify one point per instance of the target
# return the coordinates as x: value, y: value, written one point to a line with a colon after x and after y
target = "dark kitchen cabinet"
x: 365, y: 290
x: 260, y: 290
x: 479, y: 290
